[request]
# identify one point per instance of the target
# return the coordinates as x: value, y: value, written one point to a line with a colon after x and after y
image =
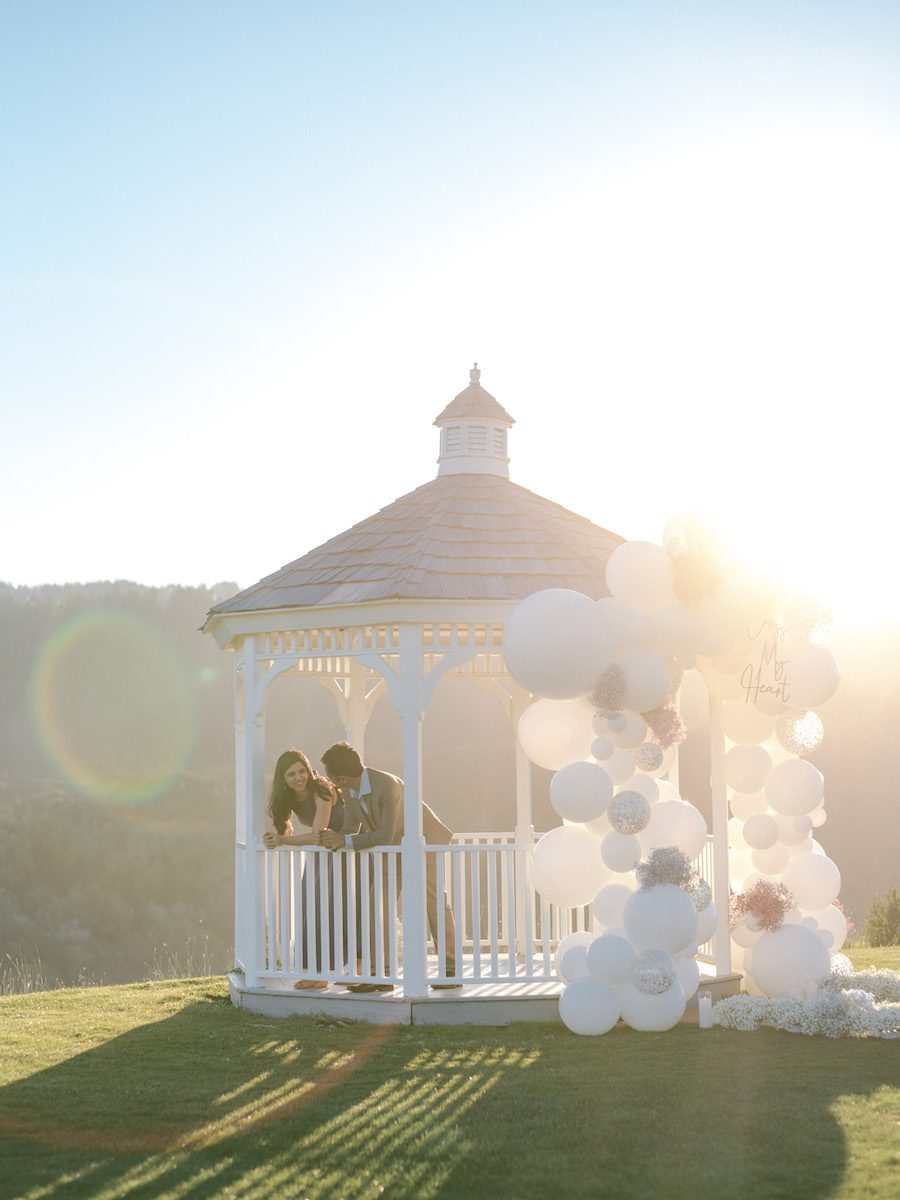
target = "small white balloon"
x: 746, y: 804
x: 747, y: 768
x: 619, y: 765
x: 582, y: 938
x: 639, y: 575
x: 572, y: 964
x: 688, y: 972
x: 813, y: 880
x: 745, y: 724
x: 772, y: 860
x: 634, y: 732
x: 812, y: 671
x: 675, y: 823
x: 602, y: 747
x: 760, y: 831
x: 707, y: 922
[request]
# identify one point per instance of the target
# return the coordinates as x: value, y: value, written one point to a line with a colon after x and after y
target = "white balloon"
x: 652, y: 1013
x: 789, y: 960
x: 813, y: 880
x: 602, y: 747
x: 745, y: 934
x: 793, y: 830
x: 608, y: 905
x: 621, y: 851
x: 620, y: 765
x: 707, y: 923
x: 639, y: 575
x: 581, y: 791
x: 688, y: 976
x: 772, y: 860
x: 818, y: 817
x: 794, y: 787
x: 589, y: 1007
x: 646, y: 785
x: 745, y: 724
x: 554, y: 644
x: 747, y: 768
x: 647, y: 680
x: 556, y: 732
x: 582, y: 938
x: 573, y: 963
x: 634, y: 732
x: 609, y: 957
x: 661, y: 918
x: 760, y: 831
x: 746, y: 804
x: 831, y: 920
x: 736, y: 837
x: 567, y: 867
x: 675, y: 823
x: 812, y: 671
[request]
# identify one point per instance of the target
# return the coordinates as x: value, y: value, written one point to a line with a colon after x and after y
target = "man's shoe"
x: 369, y: 987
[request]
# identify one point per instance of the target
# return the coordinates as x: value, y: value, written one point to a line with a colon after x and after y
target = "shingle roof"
x: 474, y: 401
x: 460, y: 537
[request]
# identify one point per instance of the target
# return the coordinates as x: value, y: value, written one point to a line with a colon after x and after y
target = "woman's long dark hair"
x: 282, y: 800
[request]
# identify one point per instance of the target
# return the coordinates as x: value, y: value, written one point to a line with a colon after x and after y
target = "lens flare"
x: 112, y: 706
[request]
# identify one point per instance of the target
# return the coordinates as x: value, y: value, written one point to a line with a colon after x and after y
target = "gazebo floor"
x: 475, y: 1003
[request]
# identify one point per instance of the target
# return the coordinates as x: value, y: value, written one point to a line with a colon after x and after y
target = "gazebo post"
x: 249, y: 784
x: 412, y: 851
x: 720, y: 834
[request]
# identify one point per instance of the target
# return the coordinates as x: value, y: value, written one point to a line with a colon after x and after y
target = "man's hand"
x: 330, y: 839
x: 271, y: 840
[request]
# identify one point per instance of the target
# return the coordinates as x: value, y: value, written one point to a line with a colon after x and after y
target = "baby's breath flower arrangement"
x: 665, y: 864
x: 653, y: 972
x: 849, y: 1012
x: 609, y: 694
x: 700, y: 892
x: 765, y: 902
x: 666, y: 725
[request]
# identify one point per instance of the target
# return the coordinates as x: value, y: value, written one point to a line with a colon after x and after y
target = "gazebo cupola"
x: 473, y: 432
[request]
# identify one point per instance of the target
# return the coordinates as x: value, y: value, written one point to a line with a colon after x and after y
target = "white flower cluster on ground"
x: 849, y: 1004
x: 605, y: 675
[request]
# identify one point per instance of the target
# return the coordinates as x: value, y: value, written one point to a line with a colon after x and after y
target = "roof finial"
x: 474, y: 374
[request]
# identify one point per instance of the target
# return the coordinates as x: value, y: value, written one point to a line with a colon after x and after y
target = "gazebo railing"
x: 336, y: 916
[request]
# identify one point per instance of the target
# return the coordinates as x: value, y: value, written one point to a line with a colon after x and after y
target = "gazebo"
x: 418, y: 591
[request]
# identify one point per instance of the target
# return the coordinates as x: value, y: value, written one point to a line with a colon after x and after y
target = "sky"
x: 248, y: 252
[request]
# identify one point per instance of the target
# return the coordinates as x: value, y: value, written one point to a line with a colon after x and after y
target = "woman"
x: 298, y: 792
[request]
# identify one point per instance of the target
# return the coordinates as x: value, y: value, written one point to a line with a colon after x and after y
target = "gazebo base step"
x: 473, y: 1004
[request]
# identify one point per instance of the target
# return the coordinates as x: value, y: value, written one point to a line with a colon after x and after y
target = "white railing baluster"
x: 338, y: 862
x: 509, y: 869
x: 439, y: 905
x: 365, y: 948
x: 392, y: 928
x: 284, y: 910
x: 377, y: 881
x: 493, y: 912
x: 475, y: 877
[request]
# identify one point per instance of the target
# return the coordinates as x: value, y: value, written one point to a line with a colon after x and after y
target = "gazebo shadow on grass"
x: 214, y: 1102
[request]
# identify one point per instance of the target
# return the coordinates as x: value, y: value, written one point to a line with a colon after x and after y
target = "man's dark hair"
x: 342, y: 759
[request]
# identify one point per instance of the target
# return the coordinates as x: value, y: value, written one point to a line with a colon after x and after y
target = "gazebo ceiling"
x: 468, y: 535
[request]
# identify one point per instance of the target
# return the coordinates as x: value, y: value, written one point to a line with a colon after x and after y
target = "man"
x: 373, y: 816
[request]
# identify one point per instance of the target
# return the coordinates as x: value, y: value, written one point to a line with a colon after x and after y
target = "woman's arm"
x: 322, y: 817
x: 272, y: 840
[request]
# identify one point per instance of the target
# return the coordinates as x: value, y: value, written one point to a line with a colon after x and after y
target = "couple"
x: 372, y: 816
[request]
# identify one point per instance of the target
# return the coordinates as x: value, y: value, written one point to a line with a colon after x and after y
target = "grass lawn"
x: 883, y: 958
x: 164, y: 1090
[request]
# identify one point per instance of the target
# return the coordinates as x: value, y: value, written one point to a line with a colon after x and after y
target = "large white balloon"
x: 567, y: 868
x: 813, y: 880
x: 794, y: 787
x: 609, y: 957
x: 789, y: 960
x: 813, y: 673
x: 745, y: 804
x: 747, y: 768
x: 556, y: 732
x: 589, y: 1007
x: 639, y: 575
x: 554, y: 644
x: 661, y: 918
x: 652, y: 1013
x: 771, y: 860
x: 832, y: 926
x: 581, y: 791
x: 675, y: 823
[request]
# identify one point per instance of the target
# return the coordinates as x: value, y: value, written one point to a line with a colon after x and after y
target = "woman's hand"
x: 271, y: 840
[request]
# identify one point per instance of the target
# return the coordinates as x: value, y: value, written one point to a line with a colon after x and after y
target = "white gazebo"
x: 415, y: 592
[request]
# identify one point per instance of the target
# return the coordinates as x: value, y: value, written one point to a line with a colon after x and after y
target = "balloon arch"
x: 607, y: 676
